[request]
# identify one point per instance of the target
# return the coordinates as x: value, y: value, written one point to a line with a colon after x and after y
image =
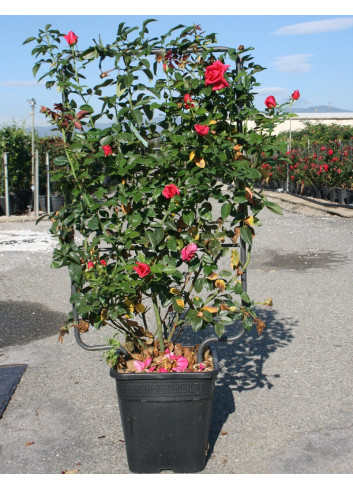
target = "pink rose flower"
x: 270, y: 102
x: 214, y: 75
x: 170, y: 190
x: 181, y: 362
x: 188, y: 252
x: 295, y: 95
x: 107, y: 150
x: 90, y: 265
x: 140, y: 366
x: 142, y: 269
x: 201, y: 130
x: 71, y: 38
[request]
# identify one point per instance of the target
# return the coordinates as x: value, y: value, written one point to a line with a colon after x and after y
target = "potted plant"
x: 145, y: 234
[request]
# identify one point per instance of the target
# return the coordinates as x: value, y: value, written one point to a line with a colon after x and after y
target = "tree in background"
x: 17, y: 143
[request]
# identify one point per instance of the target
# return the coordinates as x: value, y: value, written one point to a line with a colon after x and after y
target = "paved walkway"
x: 283, y: 401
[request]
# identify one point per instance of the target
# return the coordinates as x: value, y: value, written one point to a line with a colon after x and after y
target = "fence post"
x: 48, y: 181
x: 6, y: 178
x: 36, y: 185
x: 287, y: 178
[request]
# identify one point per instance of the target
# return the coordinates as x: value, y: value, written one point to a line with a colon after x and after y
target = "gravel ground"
x: 283, y: 401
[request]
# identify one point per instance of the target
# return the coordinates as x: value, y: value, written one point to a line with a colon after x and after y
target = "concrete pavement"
x: 283, y: 401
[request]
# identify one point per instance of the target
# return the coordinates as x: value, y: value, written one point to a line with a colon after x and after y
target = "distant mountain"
x: 320, y: 109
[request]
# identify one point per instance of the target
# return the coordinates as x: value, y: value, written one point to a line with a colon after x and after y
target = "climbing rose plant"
x: 144, y: 233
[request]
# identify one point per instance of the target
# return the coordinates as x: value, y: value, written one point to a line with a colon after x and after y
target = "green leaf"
x: 87, y: 107
x: 93, y: 223
x: 61, y: 161
x: 245, y: 234
x: 198, y: 285
x: 145, y: 143
x: 273, y: 207
x: 219, y: 329
x: 29, y: 39
x: 196, y: 324
x: 158, y: 235
x: 247, y: 323
x: 35, y: 68
x: 188, y: 217
x: 225, y: 210
x: 152, y: 239
x: 245, y: 298
x: 215, y: 247
x: 75, y: 272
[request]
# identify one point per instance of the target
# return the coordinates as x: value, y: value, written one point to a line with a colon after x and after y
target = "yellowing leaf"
x: 249, y: 195
x: 210, y: 309
x: 180, y: 303
x: 200, y: 162
x: 193, y: 231
x: 220, y: 284
x: 234, y: 259
x: 213, y: 122
x: 233, y: 308
x: 192, y: 155
x: 175, y: 291
x: 140, y: 308
x: 213, y: 276
x: 130, y: 304
x: 249, y: 221
x: 126, y: 208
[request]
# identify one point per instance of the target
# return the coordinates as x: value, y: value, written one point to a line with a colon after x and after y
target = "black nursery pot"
x: 166, y: 419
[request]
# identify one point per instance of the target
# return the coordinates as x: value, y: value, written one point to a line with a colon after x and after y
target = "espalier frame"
x: 242, y: 246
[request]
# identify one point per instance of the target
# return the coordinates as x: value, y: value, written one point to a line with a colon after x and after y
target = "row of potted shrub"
x: 324, y: 172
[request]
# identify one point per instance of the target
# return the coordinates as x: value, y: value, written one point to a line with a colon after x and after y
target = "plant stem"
x: 159, y: 323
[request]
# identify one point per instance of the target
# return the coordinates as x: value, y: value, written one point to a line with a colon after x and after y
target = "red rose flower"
x: 107, y: 150
x: 201, y: 130
x: 295, y: 95
x: 330, y: 151
x: 170, y: 190
x: 71, y: 38
x: 90, y: 265
x: 214, y: 75
x: 104, y: 263
x: 142, y: 269
x: 270, y: 102
x: 188, y: 102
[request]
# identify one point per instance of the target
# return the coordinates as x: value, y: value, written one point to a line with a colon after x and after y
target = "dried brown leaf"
x: 83, y: 326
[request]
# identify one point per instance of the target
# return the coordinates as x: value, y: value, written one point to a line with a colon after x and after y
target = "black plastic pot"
x: 166, y: 419
x: 13, y: 204
x: 56, y: 201
x: 326, y: 193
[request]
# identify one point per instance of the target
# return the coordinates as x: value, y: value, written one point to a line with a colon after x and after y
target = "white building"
x: 298, y: 122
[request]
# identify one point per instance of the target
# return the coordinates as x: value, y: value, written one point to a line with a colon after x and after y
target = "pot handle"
x: 222, y: 339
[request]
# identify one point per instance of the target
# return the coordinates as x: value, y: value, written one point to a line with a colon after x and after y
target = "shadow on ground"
x: 23, y: 322
x: 241, y: 365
